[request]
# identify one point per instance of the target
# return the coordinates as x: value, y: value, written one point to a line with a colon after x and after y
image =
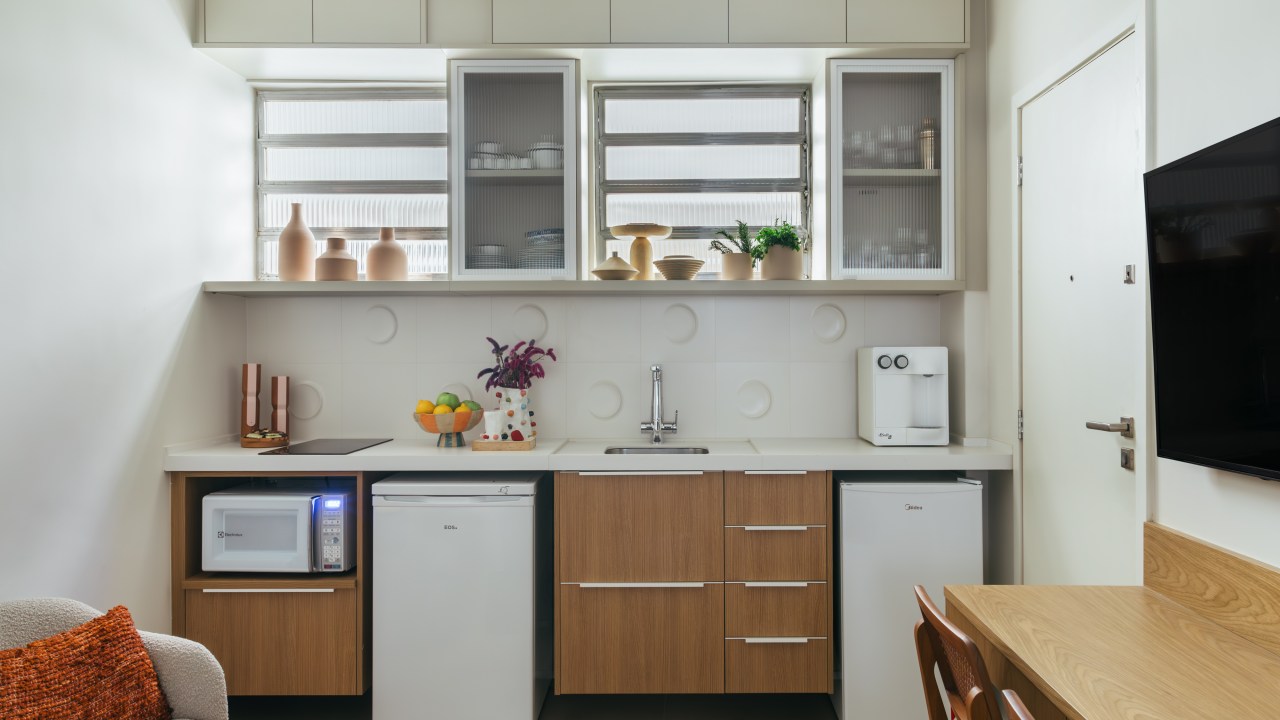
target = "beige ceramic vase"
x: 735, y: 266
x: 387, y: 259
x: 297, y: 248
x: 782, y: 263
x: 336, y: 263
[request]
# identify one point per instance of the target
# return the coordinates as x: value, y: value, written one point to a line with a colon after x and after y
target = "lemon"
x: 425, y: 406
x: 442, y: 410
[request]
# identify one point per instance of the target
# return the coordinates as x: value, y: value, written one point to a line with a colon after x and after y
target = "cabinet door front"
x: 368, y: 22
x: 753, y: 498
x: 257, y: 21
x: 279, y: 643
x: 764, y: 609
x: 903, y: 21
x: 640, y: 528
x: 775, y: 553
x: 701, y: 22
x: 794, y: 665
x: 641, y: 640
x: 550, y: 21
x: 797, y: 21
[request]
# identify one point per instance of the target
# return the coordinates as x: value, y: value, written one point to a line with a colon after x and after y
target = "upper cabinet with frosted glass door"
x: 514, y: 169
x: 892, y: 170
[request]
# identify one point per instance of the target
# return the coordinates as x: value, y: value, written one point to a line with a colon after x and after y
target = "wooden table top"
x: 1122, y: 653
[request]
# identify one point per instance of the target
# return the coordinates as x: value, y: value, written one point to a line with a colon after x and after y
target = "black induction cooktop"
x: 327, y: 446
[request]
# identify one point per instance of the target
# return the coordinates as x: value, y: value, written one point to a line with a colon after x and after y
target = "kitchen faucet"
x: 656, y: 424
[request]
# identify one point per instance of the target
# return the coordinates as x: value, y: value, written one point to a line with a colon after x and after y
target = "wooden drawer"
x: 775, y: 610
x: 641, y: 639
x: 640, y: 528
x: 280, y: 643
x: 797, y: 666
x: 776, y: 498
x: 775, y: 553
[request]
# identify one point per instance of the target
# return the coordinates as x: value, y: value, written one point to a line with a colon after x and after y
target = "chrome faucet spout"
x: 656, y: 425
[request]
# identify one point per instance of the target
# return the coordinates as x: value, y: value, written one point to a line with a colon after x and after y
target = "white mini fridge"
x: 896, y: 533
x: 454, y: 623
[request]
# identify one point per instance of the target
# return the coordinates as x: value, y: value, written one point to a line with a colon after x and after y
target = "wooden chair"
x: 1017, y: 711
x: 964, y: 676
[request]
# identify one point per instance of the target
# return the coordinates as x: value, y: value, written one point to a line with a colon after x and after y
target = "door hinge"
x: 1019, y: 171
x: 1019, y: 424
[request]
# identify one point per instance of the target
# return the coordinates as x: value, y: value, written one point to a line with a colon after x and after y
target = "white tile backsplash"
x: 733, y: 366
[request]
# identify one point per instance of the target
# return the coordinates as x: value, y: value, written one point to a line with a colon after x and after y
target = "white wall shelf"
x: 891, y: 177
x: 516, y: 177
x: 265, y: 288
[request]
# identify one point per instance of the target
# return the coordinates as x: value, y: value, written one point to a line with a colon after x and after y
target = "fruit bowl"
x: 449, y: 426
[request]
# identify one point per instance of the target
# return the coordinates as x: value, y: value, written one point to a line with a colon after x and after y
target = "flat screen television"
x: 1213, y: 241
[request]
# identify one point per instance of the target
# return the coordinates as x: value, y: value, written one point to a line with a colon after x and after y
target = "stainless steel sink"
x: 656, y: 450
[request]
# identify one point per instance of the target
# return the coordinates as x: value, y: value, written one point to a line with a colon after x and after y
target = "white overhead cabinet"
x: 700, y: 22
x: 794, y: 22
x: 304, y: 22
x: 561, y: 22
x: 892, y: 169
x: 513, y: 130
x: 936, y: 22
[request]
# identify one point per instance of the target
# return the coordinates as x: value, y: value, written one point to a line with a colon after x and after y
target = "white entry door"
x: 1083, y: 327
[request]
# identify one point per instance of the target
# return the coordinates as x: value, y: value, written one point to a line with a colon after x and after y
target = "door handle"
x: 1124, y: 427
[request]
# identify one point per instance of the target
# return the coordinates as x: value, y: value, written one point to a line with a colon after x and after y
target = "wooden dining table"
x: 1115, y: 653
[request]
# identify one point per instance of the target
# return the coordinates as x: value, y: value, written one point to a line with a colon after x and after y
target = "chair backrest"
x: 964, y: 676
x: 1017, y: 711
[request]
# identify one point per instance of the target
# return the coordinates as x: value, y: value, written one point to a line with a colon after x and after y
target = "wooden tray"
x: 264, y: 442
x: 502, y: 445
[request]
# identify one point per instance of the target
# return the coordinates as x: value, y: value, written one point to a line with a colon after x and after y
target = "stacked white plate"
x: 488, y: 257
x: 548, y: 256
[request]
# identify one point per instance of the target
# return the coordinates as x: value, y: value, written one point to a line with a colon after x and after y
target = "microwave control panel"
x: 334, y: 534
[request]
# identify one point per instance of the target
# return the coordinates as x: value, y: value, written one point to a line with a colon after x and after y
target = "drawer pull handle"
x: 776, y: 641
x: 775, y: 528
x: 776, y: 472
x: 776, y: 584
x: 616, y: 473
x: 267, y: 590
x: 643, y: 585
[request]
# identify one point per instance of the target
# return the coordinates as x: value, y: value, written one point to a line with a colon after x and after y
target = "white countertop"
x: 558, y: 454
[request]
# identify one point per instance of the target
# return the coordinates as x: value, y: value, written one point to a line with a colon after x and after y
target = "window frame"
x: 264, y: 141
x: 803, y: 137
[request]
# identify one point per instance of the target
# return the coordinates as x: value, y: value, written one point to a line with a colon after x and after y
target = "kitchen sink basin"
x: 656, y: 450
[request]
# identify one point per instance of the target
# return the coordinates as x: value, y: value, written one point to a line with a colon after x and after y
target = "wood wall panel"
x: 1236, y: 592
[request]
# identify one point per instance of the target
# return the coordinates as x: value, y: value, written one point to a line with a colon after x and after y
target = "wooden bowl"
x: 673, y: 268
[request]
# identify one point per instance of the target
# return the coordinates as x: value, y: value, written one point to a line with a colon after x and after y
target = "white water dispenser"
x: 902, y: 395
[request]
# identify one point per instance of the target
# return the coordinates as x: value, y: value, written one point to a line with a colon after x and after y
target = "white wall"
x: 1212, y: 81
x: 733, y: 366
x: 126, y: 180
x: 1206, y: 68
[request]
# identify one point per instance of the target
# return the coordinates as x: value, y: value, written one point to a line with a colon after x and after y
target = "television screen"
x: 1213, y: 239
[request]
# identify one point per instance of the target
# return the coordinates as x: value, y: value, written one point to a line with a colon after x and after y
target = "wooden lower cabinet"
x: 775, y: 609
x: 792, y: 665
x: 641, y: 639
x: 279, y: 643
x: 775, y: 553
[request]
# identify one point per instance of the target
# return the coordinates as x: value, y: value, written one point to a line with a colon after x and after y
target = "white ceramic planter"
x: 782, y: 263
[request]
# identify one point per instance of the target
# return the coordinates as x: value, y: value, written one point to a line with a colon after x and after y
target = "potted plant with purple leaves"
x: 511, y: 377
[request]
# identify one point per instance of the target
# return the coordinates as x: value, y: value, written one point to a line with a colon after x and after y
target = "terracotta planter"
x: 297, y: 248
x: 782, y: 263
x: 386, y: 259
x: 735, y: 266
x: 336, y: 263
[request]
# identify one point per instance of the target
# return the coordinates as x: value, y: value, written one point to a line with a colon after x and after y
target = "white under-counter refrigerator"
x: 898, y: 530
x: 454, y: 606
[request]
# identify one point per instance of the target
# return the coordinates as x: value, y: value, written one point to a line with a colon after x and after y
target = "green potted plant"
x: 739, y: 255
x: 782, y: 251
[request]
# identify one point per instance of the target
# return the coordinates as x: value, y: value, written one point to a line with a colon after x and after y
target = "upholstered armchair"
x: 190, y: 676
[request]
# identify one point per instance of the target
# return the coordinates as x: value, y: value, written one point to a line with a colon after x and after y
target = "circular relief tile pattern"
x: 604, y: 400
x: 679, y: 323
x: 307, y: 400
x: 754, y: 399
x: 380, y: 324
x: 462, y: 391
x: 529, y: 322
x: 828, y: 323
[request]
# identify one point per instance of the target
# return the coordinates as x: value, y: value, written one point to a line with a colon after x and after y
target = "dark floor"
x: 570, y: 707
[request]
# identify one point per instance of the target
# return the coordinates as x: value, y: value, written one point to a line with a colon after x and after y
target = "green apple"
x: 447, y: 398
x: 471, y: 405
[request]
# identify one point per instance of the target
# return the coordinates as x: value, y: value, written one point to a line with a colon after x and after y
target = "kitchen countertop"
x: 588, y: 455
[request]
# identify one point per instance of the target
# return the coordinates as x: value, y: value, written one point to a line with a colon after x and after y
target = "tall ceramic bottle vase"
x: 297, y: 248
x: 250, y: 389
x: 387, y: 259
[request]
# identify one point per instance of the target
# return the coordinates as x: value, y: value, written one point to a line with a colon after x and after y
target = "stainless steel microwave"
x: 253, y: 529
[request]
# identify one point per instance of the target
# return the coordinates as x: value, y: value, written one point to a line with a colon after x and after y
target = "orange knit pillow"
x: 97, y: 671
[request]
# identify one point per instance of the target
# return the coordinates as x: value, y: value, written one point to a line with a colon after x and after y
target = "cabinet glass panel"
x: 892, y: 205
x: 515, y: 215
